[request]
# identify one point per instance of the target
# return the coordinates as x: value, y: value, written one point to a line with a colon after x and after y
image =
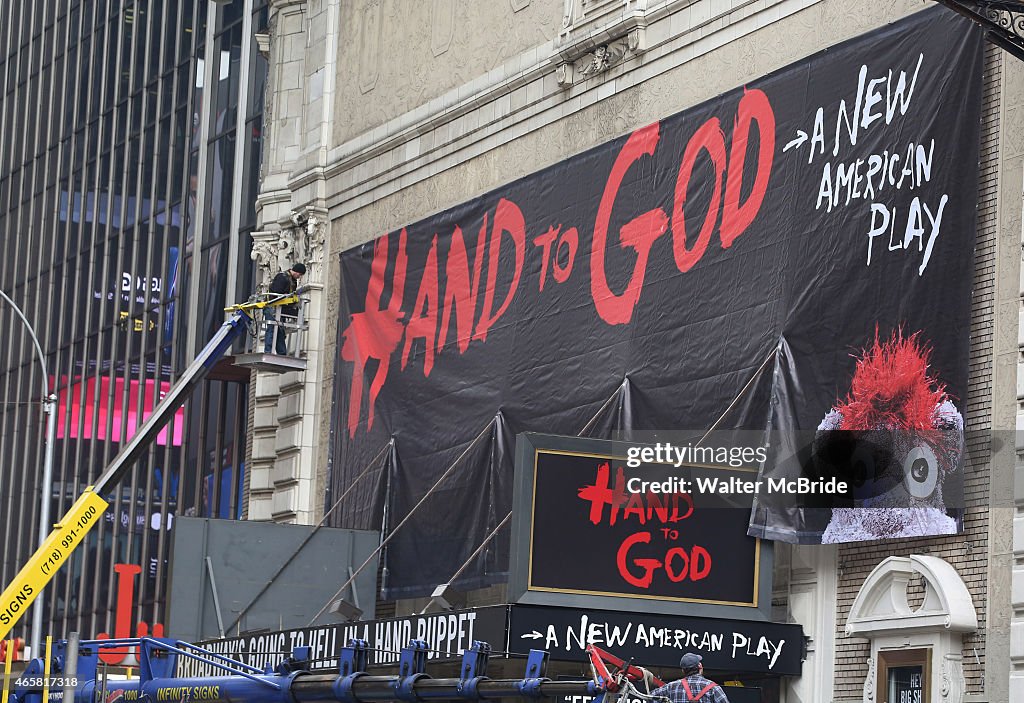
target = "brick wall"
x: 967, y: 552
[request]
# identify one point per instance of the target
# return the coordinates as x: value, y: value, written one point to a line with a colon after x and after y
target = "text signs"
x: 51, y: 555
x: 594, y: 526
x: 447, y: 635
x: 658, y: 640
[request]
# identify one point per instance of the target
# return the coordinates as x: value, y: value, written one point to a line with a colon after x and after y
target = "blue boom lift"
x: 293, y: 682
x: 88, y: 509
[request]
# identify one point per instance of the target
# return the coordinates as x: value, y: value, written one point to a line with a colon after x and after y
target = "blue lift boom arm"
x: 90, y: 505
x: 292, y: 682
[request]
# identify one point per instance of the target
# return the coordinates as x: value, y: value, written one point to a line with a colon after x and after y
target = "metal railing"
x: 279, y: 333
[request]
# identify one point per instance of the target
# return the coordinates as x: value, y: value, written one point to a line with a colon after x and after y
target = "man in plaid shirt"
x: 693, y: 687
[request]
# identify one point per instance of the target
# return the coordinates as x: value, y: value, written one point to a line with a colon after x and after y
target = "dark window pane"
x: 251, y: 175
x: 171, y: 33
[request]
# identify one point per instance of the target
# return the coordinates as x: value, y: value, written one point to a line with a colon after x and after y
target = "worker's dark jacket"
x: 284, y: 283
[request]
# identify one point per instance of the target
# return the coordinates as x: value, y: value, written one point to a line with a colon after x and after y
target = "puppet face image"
x: 901, y: 437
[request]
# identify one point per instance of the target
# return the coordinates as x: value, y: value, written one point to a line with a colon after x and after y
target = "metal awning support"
x: 1003, y: 22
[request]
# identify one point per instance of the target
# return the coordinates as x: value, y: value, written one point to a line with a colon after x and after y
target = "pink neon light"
x: 101, y: 412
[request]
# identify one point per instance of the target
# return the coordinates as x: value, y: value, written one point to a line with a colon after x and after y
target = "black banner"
x: 777, y: 259
x: 658, y: 640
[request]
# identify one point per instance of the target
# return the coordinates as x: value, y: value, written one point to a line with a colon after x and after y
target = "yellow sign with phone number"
x: 65, y: 538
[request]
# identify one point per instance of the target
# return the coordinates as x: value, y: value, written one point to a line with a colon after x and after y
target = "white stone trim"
x: 881, y: 613
x: 881, y: 605
x: 479, y: 116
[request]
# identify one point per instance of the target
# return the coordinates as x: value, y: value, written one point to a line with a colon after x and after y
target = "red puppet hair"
x: 891, y: 387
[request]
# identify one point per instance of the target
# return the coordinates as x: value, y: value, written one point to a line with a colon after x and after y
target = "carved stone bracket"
x: 954, y: 686
x: 601, y: 58
x: 262, y: 44
x: 315, y: 243
x: 587, y: 48
x: 869, y: 682
x: 266, y: 253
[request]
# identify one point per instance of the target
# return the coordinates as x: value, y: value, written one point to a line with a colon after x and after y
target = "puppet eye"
x: 862, y: 466
x: 921, y: 471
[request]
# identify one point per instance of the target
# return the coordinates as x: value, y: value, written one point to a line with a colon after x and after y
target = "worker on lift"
x: 284, y: 283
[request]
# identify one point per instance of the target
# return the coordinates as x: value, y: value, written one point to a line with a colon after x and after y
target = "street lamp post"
x: 50, y: 408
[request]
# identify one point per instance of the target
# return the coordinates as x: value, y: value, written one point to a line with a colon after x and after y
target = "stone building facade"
x: 382, y: 112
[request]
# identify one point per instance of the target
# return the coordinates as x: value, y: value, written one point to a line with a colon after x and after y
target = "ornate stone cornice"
x: 303, y: 240
x: 267, y: 255
x: 596, y: 36
x: 302, y: 237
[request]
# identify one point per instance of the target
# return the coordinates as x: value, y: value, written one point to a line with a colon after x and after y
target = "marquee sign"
x: 590, y: 531
x: 447, y: 634
x: 654, y: 640
x: 512, y: 630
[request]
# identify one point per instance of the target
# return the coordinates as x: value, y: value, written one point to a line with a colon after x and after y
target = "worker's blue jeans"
x: 273, y: 329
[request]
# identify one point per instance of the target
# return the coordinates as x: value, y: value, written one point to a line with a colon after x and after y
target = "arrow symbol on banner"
x: 531, y: 636
x: 800, y: 139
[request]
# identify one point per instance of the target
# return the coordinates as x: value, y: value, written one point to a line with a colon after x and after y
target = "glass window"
x: 251, y: 175
x: 74, y: 25
x: 35, y: 52
x: 146, y: 158
x: 163, y: 156
x: 60, y: 33
x: 106, y: 126
x: 233, y: 13
x: 226, y: 102
x: 88, y: 11
x: 121, y: 117
x: 92, y: 130
x: 129, y: 28
x: 220, y: 183
x: 135, y: 113
x: 71, y: 87
x: 18, y: 10
x: 179, y: 142
x: 26, y: 186
x: 260, y: 15
x: 213, y: 288
x: 141, y: 23
x: 171, y: 34
x: 47, y: 43
x: 30, y: 106
x: 182, y: 83
x: 258, y: 85
x: 244, y: 277
x: 167, y: 93
x: 110, y: 67
x: 83, y: 92
x: 16, y: 145
x: 47, y: 90
x: 59, y: 87
x: 39, y: 168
